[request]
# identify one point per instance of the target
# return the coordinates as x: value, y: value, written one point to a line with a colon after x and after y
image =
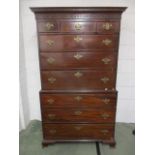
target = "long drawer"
x: 78, y: 100
x: 49, y: 43
x: 78, y: 131
x: 64, y: 60
x: 92, y: 115
x: 84, y: 79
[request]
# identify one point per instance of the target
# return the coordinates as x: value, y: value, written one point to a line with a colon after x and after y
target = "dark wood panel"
x: 49, y: 43
x: 66, y: 60
x: 86, y: 79
x: 78, y: 100
x: 48, y: 26
x: 78, y: 131
x: 78, y: 27
x: 108, y: 27
x: 92, y: 115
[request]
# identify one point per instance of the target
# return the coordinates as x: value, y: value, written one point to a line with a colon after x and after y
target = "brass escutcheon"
x: 105, y: 115
x: 78, y: 56
x: 78, y: 26
x: 78, y: 74
x: 105, y: 79
x: 51, y: 80
x: 106, y: 60
x: 49, y: 26
x: 50, y: 60
x: 106, y: 100
x: 51, y: 116
x: 78, y: 39
x: 78, y: 112
x: 107, y: 42
x: 107, y: 26
x: 78, y: 127
x: 104, y: 131
x: 78, y: 98
x: 50, y: 42
x: 50, y: 101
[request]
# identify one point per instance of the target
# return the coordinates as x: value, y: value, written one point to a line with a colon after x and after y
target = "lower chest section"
x: 78, y: 116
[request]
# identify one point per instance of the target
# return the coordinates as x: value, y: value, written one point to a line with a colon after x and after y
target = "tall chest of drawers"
x: 78, y: 49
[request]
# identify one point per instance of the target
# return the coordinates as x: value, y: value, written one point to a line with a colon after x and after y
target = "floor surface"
x: 31, y: 138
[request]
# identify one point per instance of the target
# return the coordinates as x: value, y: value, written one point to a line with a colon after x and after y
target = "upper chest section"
x: 78, y: 20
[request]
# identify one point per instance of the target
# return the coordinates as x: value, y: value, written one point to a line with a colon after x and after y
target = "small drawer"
x: 78, y: 100
x: 78, y: 131
x: 92, y: 115
x: 108, y: 27
x: 53, y: 43
x: 77, y: 60
x: 48, y: 26
x: 78, y: 79
x: 78, y: 27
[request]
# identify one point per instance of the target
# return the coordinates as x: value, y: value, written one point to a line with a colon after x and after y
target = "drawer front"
x: 108, y: 27
x: 64, y: 60
x: 78, y: 27
x: 48, y: 26
x: 98, y: 115
x: 49, y: 43
x: 86, y: 79
x: 78, y: 131
x: 78, y: 100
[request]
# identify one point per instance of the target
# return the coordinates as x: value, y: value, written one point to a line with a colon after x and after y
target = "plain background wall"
x: 29, y: 65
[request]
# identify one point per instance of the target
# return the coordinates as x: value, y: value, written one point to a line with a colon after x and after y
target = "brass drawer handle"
x: 50, y: 42
x: 50, y: 101
x: 107, y: 26
x: 106, y: 60
x: 105, y: 79
x: 78, y: 56
x: 50, y: 60
x: 105, y: 116
x: 49, y: 26
x: 106, y: 42
x: 52, y: 131
x: 78, y: 112
x: 78, y: 26
x: 51, y: 116
x: 105, y: 100
x: 104, y: 131
x: 78, y: 98
x: 78, y: 74
x: 78, y: 39
x: 78, y: 127
x: 51, y: 80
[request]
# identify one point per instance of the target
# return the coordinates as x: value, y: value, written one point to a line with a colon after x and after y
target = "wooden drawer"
x: 78, y: 100
x: 78, y: 27
x: 49, y: 43
x: 84, y: 79
x: 108, y: 27
x: 48, y: 26
x: 78, y: 131
x: 64, y: 60
x: 92, y: 115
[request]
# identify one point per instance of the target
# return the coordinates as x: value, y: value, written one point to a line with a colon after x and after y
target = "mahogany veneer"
x: 78, y: 50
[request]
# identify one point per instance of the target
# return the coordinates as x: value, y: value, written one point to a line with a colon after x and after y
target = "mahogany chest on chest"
x: 78, y: 49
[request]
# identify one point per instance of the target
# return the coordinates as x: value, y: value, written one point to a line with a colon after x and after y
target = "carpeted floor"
x: 30, y: 143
